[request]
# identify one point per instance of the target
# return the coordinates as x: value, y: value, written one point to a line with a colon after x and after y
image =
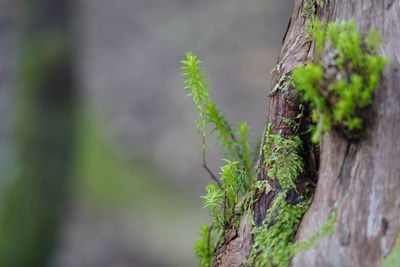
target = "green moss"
x: 338, y: 94
x: 273, y: 210
x: 283, y: 159
x: 273, y: 241
x: 393, y: 259
x: 203, y: 246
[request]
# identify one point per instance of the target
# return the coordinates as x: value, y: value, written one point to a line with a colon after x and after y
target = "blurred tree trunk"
x: 45, y: 133
x: 362, y: 178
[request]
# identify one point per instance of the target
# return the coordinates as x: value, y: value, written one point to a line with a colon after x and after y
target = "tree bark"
x: 362, y: 178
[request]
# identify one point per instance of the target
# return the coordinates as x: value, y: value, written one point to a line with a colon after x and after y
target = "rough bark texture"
x: 364, y: 177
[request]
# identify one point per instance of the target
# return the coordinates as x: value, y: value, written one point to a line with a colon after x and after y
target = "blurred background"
x: 99, y: 158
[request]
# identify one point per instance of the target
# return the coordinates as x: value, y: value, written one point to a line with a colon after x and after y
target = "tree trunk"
x: 45, y: 134
x: 362, y: 179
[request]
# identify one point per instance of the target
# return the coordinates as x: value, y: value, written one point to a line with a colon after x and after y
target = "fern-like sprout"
x: 236, y: 149
x: 213, y: 200
x: 236, y: 175
x: 196, y: 84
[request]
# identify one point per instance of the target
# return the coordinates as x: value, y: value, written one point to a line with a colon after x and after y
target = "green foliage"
x: 197, y: 86
x: 233, y: 180
x: 273, y: 210
x: 204, y: 250
x: 222, y: 202
x: 283, y: 159
x: 236, y: 176
x: 338, y: 99
x: 194, y: 80
x: 273, y: 240
x: 223, y: 130
x: 308, y: 79
x: 274, y: 244
x: 237, y: 190
x: 213, y: 201
x: 393, y: 259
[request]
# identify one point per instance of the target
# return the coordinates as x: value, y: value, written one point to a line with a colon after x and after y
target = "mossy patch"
x: 340, y: 92
x: 283, y: 158
x: 274, y: 239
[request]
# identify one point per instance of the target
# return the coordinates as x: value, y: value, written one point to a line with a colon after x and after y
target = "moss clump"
x: 283, y: 158
x: 342, y: 90
x: 273, y: 241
